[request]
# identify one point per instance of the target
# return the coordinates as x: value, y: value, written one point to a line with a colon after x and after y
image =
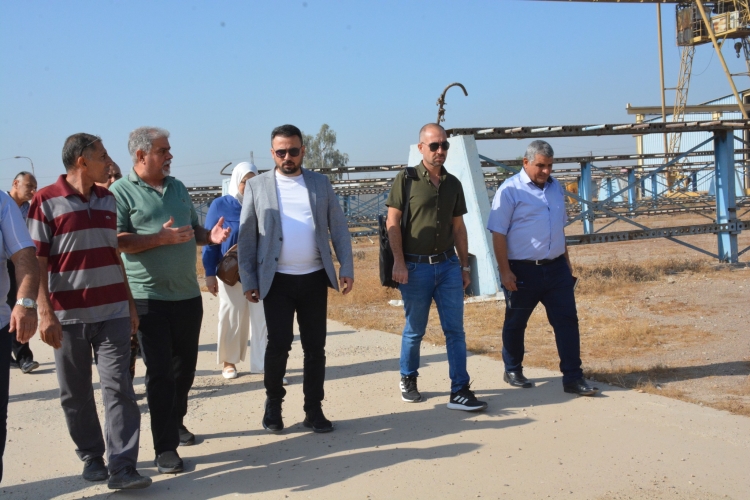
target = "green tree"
x: 321, y: 152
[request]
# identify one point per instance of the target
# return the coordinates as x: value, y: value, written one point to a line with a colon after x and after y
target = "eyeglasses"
x: 435, y: 145
x: 88, y: 145
x: 293, y: 152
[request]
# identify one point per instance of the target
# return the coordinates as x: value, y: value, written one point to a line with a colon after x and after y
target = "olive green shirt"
x: 429, y: 230
x: 166, y: 272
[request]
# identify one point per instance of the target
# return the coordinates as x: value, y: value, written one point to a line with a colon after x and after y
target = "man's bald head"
x: 430, y: 127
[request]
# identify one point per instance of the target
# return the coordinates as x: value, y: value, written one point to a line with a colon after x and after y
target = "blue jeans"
x: 552, y: 285
x: 443, y: 283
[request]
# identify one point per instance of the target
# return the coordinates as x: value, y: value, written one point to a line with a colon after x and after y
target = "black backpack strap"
x: 411, y: 174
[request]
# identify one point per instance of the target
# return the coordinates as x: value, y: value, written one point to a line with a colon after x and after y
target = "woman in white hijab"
x: 239, y: 319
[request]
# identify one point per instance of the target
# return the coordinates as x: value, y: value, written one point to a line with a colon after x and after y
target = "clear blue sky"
x: 221, y: 74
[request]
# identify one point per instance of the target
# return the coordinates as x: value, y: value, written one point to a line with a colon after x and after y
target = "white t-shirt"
x: 299, y: 251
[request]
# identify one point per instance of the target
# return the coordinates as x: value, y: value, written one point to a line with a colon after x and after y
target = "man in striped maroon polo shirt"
x: 84, y: 303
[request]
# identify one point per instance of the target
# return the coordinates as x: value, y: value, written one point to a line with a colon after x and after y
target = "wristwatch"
x: 467, y: 269
x: 27, y: 303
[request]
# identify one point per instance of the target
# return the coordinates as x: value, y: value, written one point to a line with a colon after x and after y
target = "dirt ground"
x: 530, y: 443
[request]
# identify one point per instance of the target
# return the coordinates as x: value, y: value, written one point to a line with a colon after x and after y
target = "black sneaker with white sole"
x: 465, y: 400
x: 409, y: 392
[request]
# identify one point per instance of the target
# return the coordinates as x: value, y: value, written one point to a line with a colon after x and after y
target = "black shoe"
x: 465, y: 400
x: 272, y: 420
x: 516, y: 379
x: 580, y: 387
x: 128, y: 479
x: 28, y: 366
x: 168, y: 462
x: 187, y: 438
x: 409, y: 392
x: 315, y: 420
x: 95, y: 470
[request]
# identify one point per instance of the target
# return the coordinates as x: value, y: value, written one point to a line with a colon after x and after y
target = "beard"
x: 166, y: 169
x: 290, y: 168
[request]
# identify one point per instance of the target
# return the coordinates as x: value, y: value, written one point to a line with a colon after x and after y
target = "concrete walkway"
x: 531, y: 443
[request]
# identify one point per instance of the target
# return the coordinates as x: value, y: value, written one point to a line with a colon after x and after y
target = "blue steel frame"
x: 726, y: 226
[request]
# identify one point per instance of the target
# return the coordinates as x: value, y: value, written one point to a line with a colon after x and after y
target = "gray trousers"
x: 110, y: 341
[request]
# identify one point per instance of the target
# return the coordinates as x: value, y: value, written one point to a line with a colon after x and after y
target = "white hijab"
x: 239, y: 172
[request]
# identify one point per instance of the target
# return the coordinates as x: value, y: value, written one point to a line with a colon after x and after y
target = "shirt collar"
x: 422, y: 171
x: 527, y: 180
x: 135, y: 179
x: 62, y: 188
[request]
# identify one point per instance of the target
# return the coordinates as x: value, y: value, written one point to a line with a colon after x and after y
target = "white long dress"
x: 240, y: 320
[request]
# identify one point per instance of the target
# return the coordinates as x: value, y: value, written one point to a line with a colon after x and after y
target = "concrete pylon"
x: 463, y: 162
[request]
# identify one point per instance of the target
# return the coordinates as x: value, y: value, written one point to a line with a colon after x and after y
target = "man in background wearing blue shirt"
x: 527, y: 222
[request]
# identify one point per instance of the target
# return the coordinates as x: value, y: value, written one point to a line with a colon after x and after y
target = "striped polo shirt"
x: 79, y: 239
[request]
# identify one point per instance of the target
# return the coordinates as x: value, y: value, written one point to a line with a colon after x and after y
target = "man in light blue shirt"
x: 20, y: 321
x: 527, y: 222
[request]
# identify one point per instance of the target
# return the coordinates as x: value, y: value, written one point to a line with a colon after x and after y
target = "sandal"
x: 229, y: 372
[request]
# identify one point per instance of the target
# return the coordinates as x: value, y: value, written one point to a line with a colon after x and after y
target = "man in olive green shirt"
x: 431, y: 262
x: 158, y: 230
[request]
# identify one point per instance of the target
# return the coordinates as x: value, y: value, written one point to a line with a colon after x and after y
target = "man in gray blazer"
x: 285, y: 260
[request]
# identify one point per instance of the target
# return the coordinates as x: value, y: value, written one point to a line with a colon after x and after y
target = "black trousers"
x: 307, y: 295
x: 168, y: 335
x: 4, y: 389
x: 21, y: 352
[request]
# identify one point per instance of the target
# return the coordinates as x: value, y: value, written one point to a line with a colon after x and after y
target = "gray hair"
x: 142, y: 138
x: 75, y: 146
x: 20, y: 175
x: 538, y: 148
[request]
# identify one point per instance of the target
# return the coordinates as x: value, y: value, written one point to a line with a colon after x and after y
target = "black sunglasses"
x: 293, y: 152
x: 435, y: 145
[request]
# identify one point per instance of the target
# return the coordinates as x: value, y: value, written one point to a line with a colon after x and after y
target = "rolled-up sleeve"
x: 39, y: 227
x: 15, y: 236
x: 501, y: 212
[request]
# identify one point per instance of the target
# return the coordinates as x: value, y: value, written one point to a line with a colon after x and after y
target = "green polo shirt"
x: 429, y: 230
x: 166, y: 272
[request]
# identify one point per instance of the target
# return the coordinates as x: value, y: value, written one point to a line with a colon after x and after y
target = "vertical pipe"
x: 694, y: 182
x: 710, y: 30
x: 631, y: 189
x: 584, y: 191
x: 661, y: 78
x: 726, y: 208
x: 655, y: 189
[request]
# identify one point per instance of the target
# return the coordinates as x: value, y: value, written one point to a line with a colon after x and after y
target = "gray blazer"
x: 259, y: 243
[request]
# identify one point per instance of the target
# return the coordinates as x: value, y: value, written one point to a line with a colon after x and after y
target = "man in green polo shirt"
x: 158, y: 230
x: 431, y: 262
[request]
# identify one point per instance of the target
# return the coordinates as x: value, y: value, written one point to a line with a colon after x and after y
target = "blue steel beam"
x: 726, y: 207
x: 598, y: 205
x: 584, y: 189
x: 612, y: 213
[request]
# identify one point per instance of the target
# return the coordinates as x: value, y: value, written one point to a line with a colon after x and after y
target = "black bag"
x: 386, y: 254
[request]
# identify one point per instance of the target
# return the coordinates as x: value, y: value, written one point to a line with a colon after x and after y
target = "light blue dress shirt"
x: 13, y: 237
x: 532, y: 219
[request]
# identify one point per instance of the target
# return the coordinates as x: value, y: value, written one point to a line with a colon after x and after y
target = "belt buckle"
x: 429, y: 259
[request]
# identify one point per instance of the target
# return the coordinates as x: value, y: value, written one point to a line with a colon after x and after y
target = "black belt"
x: 430, y: 259
x: 542, y: 262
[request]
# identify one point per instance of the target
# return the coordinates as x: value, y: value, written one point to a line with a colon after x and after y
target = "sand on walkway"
x: 530, y: 443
